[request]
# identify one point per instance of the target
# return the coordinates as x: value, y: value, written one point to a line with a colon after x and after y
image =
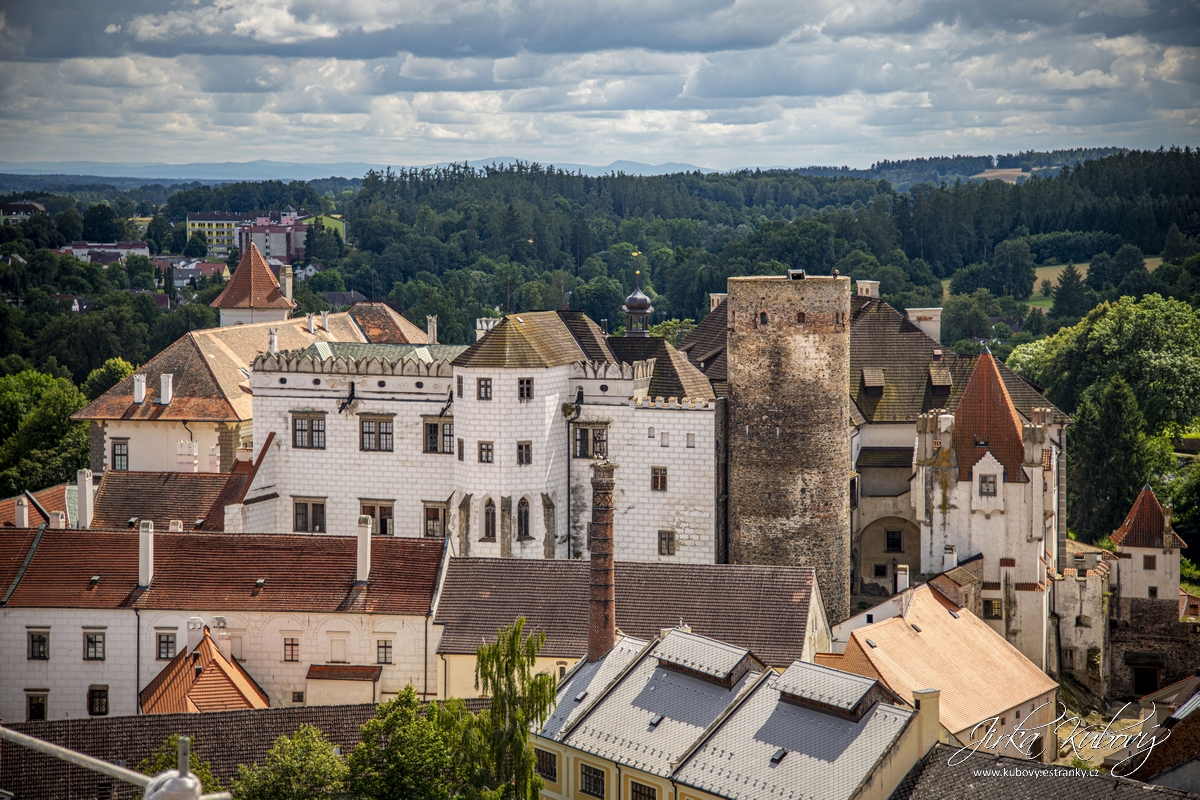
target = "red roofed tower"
x: 986, y: 420
x: 253, y: 294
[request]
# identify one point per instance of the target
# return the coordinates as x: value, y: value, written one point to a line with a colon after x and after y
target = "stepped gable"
x: 538, y: 339
x: 220, y: 684
x: 382, y: 324
x: 986, y: 421
x: 1146, y: 525
x: 252, y: 285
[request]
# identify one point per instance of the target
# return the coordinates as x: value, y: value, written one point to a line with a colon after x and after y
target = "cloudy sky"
x: 719, y: 83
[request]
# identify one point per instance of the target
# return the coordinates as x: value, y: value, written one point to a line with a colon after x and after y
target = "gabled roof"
x: 760, y: 608
x: 538, y: 339
x: 1146, y: 525
x: 211, y: 369
x: 986, y: 421
x: 384, y: 325
x: 705, y: 344
x: 252, y: 285
x: 674, y: 375
x: 951, y: 653
x: 61, y: 570
x: 52, y: 498
x: 219, y: 685
x: 159, y: 496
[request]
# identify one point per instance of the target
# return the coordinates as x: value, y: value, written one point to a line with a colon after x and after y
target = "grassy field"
x: 1052, y: 273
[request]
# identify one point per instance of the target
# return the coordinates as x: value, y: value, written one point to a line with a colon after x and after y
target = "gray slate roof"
x: 587, y: 681
x: 826, y: 685
x: 699, y: 653
x: 426, y: 353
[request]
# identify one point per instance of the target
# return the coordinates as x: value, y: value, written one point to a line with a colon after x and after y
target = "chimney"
x: 58, y: 519
x: 1167, y: 518
x: 311, y: 321
x: 285, y: 281
x: 139, y: 388
x: 363, y: 572
x: 272, y: 340
x: 195, y: 629
x: 175, y: 526
x: 166, y: 388
x: 604, y: 327
x: 950, y: 557
x: 225, y: 645
x: 185, y: 456
x: 83, y: 508
x: 21, y: 512
x: 145, y: 553
x: 901, y: 578
x: 214, y: 458
x: 868, y: 288
x: 928, y: 320
x: 325, y: 320
x: 929, y: 726
x: 715, y: 299
x: 431, y: 329
x: 602, y: 612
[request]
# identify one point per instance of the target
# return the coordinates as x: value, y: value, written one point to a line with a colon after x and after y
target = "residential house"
x: 16, y: 213
x: 200, y: 679
x: 107, y: 253
x: 283, y: 240
x: 982, y: 677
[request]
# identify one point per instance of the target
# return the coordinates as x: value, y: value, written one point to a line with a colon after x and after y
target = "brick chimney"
x: 145, y: 553
x: 602, y: 611
x: 431, y: 328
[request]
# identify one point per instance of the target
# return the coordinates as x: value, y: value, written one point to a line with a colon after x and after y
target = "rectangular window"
x: 308, y: 432
x: 992, y: 609
x: 1068, y: 658
x: 435, y: 520
x: 547, y: 764
x: 591, y: 780
x: 987, y: 485
x: 658, y: 479
x: 485, y: 452
x: 524, y: 388
x: 166, y: 646
x: 893, y: 542
x: 583, y: 440
x: 666, y: 543
x: 460, y: 387
x: 367, y: 439
x: 1153, y: 592
x: 383, y: 651
x: 39, y: 645
x: 640, y: 791
x: 461, y: 450
x: 881, y: 570
x: 297, y: 697
x: 291, y: 648
x: 381, y: 517
x: 483, y: 387
x: 432, y: 437
x: 98, y: 702
x: 448, y: 437
x: 664, y: 439
x: 524, y: 453
x: 691, y: 440
x: 120, y: 456
x: 309, y: 516
x: 35, y: 705
x: 1149, y: 562
x: 93, y: 646
x: 600, y: 442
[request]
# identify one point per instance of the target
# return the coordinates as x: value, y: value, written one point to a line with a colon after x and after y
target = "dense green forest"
x: 462, y: 243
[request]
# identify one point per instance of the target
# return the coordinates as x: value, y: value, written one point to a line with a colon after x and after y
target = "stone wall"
x: 1148, y: 633
x: 789, y: 428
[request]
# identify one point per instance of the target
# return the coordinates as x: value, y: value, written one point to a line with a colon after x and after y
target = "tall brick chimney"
x: 602, y: 609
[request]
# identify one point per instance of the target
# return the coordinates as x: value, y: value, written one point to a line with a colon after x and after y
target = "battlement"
x: 292, y: 361
x: 673, y: 402
x: 606, y: 370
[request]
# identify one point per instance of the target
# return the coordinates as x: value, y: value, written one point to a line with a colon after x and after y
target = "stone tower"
x: 789, y: 427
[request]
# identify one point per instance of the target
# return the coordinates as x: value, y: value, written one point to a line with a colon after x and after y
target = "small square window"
x: 485, y: 452
x: 524, y: 453
x: 291, y: 648
x: 992, y: 609
x: 524, y: 388
x: 484, y: 388
x: 35, y: 707
x: 881, y: 570
x: 39, y: 645
x: 1149, y: 562
x: 297, y: 697
x: 893, y: 542
x: 658, y: 479
x: 93, y: 646
x: 987, y: 485
x: 1153, y: 592
x: 383, y: 651
x: 166, y: 646
x: 666, y: 543
x: 98, y: 702
x: 309, y: 516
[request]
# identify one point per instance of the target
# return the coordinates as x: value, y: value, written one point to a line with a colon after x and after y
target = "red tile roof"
x: 60, y: 572
x: 252, y: 285
x: 53, y: 498
x: 221, y: 685
x: 986, y: 421
x: 1146, y: 525
x: 343, y: 672
x: 159, y: 496
x: 381, y: 324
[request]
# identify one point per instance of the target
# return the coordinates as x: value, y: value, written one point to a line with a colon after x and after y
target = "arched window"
x: 800, y: 318
x: 523, y: 519
x: 489, y: 520
x: 762, y: 319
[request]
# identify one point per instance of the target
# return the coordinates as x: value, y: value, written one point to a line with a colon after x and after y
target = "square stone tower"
x: 789, y: 427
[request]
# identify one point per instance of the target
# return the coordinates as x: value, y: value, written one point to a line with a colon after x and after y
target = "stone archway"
x: 883, y: 545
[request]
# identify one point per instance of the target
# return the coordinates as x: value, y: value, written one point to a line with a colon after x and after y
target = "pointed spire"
x: 253, y: 285
x: 986, y: 421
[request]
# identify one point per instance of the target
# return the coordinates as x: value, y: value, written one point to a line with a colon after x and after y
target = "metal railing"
x: 174, y: 784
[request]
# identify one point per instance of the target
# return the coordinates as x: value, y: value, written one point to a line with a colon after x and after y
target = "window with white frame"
x: 383, y: 651
x: 987, y: 485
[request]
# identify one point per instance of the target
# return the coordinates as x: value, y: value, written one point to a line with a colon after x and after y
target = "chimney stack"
x: 325, y: 320
x: 928, y: 320
x: 901, y: 578
x: 58, y: 519
x: 214, y: 458
x: 602, y: 611
x: 272, y: 340
x: 83, y: 508
x: 950, y: 557
x: 139, y: 388
x: 166, y: 388
x: 21, y: 512
x: 363, y: 571
x: 431, y: 329
x: 285, y: 281
x: 311, y: 320
x: 929, y: 726
x: 195, y: 634
x: 868, y: 288
x: 145, y: 553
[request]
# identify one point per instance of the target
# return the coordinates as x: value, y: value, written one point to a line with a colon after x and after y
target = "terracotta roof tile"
x: 252, y: 285
x: 220, y: 685
x: 158, y: 496
x: 343, y: 672
x: 986, y: 421
x: 1146, y: 525
x: 384, y: 325
x: 951, y: 653
x: 53, y: 498
x: 763, y: 609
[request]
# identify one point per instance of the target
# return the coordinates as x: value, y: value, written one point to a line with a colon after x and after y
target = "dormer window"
x: 873, y: 382
x: 981, y: 441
